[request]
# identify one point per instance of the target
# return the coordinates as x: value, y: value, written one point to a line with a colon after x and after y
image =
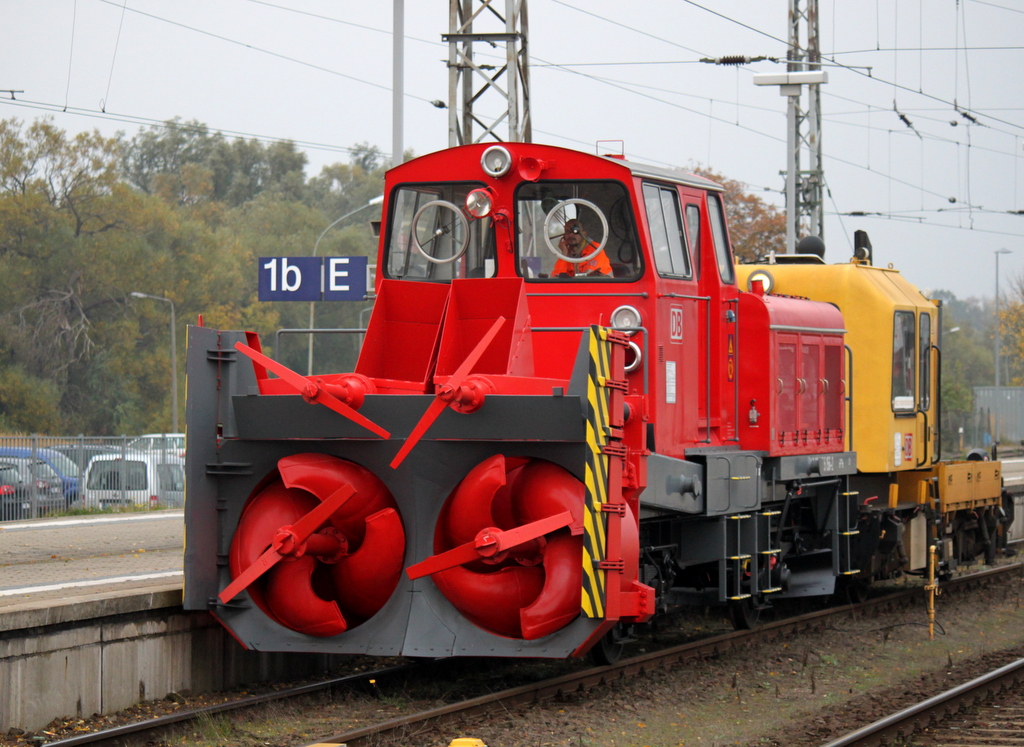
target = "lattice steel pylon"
x: 804, y: 188
x: 474, y: 83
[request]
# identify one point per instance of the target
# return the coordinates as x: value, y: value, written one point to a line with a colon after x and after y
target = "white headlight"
x: 765, y: 277
x: 496, y: 161
x: 625, y: 317
x: 478, y: 203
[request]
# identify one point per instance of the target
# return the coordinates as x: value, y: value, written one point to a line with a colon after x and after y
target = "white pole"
x: 398, y: 84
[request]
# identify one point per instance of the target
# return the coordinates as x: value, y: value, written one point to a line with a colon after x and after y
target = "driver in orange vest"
x: 574, y: 243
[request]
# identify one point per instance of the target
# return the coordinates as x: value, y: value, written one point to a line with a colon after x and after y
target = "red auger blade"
x: 300, y: 530
x: 559, y: 601
x: 438, y: 405
x: 469, y: 510
x: 365, y: 580
x: 312, y: 391
x: 489, y: 542
x: 492, y: 600
x: 290, y: 594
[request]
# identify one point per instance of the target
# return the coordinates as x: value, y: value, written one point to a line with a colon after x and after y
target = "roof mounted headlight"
x: 496, y: 161
x: 762, y: 276
x: 626, y: 318
x: 479, y: 203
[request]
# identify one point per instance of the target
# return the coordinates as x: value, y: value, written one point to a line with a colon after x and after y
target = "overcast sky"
x: 940, y: 196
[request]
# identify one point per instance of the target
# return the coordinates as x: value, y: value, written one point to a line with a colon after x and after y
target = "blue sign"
x: 312, y: 278
x: 290, y: 278
x: 345, y: 278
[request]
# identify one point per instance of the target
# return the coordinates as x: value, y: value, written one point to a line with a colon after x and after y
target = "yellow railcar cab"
x: 891, y: 327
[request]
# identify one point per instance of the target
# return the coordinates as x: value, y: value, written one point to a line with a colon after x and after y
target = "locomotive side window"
x: 904, y: 353
x: 693, y: 231
x: 572, y: 231
x: 668, y: 242
x: 430, y: 237
x: 925, y: 398
x: 718, y: 233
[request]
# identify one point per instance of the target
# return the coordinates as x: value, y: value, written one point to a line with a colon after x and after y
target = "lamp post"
x: 174, y: 360
x: 997, y: 402
x: 375, y: 201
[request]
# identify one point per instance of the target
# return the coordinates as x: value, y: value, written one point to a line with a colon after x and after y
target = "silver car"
x: 134, y: 480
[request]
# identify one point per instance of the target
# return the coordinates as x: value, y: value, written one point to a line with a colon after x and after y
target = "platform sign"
x: 312, y: 278
x: 345, y: 278
x: 289, y: 278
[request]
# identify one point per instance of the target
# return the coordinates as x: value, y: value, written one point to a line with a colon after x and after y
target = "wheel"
x: 851, y: 590
x: 609, y: 649
x: 991, y: 537
x: 427, y: 238
x: 744, y: 614
x: 558, y: 215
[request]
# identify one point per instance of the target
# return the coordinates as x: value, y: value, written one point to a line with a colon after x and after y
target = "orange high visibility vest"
x: 599, y: 263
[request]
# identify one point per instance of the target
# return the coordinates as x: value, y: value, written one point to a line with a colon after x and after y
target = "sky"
x: 922, y: 115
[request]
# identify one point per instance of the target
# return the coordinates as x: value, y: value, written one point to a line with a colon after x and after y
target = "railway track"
x: 992, y: 724
x: 411, y: 725
x: 408, y: 727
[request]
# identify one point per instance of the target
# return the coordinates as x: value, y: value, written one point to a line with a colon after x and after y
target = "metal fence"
x: 999, y: 414
x: 42, y: 475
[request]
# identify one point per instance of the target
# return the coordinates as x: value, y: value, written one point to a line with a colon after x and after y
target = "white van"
x: 164, y: 444
x: 138, y: 479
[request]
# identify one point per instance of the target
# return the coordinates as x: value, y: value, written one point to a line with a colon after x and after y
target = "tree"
x: 966, y: 363
x: 755, y: 227
x: 185, y: 164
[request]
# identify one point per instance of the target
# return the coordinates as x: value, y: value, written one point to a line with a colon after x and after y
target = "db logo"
x: 675, y: 324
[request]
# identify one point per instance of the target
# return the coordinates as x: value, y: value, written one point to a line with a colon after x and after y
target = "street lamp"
x: 174, y: 360
x: 997, y: 401
x: 375, y: 201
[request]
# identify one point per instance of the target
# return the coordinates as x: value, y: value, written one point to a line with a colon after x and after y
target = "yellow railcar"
x: 892, y: 394
x: 891, y: 332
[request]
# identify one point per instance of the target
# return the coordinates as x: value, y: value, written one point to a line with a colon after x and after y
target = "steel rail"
x: 161, y: 722
x: 910, y: 720
x: 413, y: 724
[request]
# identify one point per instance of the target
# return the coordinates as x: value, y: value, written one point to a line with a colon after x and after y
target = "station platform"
x: 54, y: 561
x: 91, y: 621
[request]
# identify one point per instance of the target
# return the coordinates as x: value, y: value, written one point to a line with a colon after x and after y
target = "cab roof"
x: 665, y: 174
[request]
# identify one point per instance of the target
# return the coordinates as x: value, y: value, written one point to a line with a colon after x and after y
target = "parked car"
x: 80, y: 454
x: 168, y: 444
x: 65, y: 468
x: 138, y: 479
x: 23, y: 481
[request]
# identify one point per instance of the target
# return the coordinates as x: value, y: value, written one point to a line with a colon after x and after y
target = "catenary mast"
x: 475, y: 84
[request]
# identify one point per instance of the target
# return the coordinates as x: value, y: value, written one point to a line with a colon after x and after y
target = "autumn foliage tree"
x: 755, y: 226
x: 176, y: 212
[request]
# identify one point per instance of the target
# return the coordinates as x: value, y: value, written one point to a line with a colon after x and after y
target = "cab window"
x: 904, y: 353
x: 925, y: 389
x: 668, y: 242
x: 693, y: 231
x: 430, y: 236
x: 572, y: 231
x: 718, y: 234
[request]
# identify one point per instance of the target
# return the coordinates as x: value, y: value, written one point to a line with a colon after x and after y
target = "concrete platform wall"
x: 104, y: 654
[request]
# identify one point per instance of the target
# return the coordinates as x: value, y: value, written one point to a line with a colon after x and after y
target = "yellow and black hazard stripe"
x: 594, y: 596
